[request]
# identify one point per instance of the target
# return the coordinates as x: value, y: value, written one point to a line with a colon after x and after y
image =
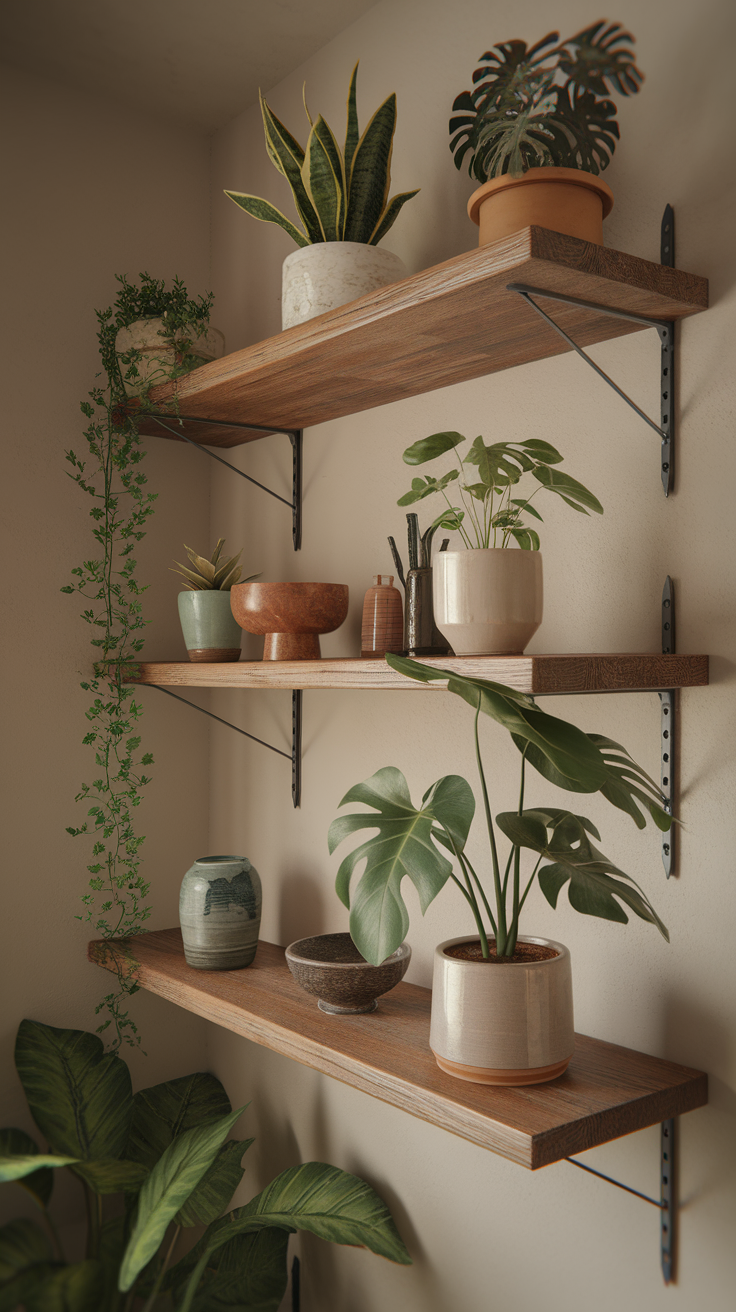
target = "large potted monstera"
x: 501, y: 1001
x: 538, y: 129
x: 342, y: 203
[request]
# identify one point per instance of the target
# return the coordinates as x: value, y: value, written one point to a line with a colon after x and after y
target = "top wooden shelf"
x: 445, y: 325
x: 607, y: 1091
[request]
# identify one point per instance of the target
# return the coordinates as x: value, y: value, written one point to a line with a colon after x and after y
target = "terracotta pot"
x: 382, y: 629
x: 320, y: 277
x: 291, y: 615
x: 502, y: 1022
x: 210, y: 632
x: 331, y: 968
x: 488, y: 602
x: 159, y: 358
x: 220, y: 912
x: 565, y: 200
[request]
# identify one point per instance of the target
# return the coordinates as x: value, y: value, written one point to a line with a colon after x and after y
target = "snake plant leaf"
x: 568, y: 488
x: 39, y: 1183
x: 352, y: 131
x: 428, y: 448
x: 75, y: 1288
x: 16, y: 1166
x: 370, y: 174
x: 325, y: 136
x: 323, y: 186
x: 217, y: 1186
x: 79, y: 1096
x: 390, y: 215
x: 112, y: 1176
x: 174, y: 1177
x: 205, y: 567
x: 248, y: 1272
x: 267, y: 213
x: 26, y: 1260
x: 595, y: 882
x: 599, y: 56
x: 287, y: 156
x: 166, y: 1110
x: 403, y: 846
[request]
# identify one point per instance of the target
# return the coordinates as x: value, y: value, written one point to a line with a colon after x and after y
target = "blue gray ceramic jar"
x: 220, y: 912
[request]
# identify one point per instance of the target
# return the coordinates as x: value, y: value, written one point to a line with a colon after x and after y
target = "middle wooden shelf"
x: 538, y: 675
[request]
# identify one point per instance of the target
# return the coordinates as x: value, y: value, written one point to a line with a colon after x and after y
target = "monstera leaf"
x: 600, y: 60
x: 595, y: 882
x: 403, y: 846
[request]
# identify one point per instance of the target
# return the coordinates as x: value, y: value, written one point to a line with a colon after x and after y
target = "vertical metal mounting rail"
x: 668, y: 1218
x: 296, y: 439
x: 296, y: 747
x: 668, y: 726
x: 667, y: 339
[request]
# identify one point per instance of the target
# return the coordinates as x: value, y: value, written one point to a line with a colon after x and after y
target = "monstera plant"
x: 415, y: 841
x: 545, y: 104
x: 165, y: 1151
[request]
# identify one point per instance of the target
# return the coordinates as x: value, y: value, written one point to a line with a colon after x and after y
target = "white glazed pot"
x: 159, y: 357
x: 488, y: 602
x: 318, y: 278
x: 502, y: 1022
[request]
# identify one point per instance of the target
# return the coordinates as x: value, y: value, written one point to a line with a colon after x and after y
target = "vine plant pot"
x: 330, y: 967
x: 565, y: 200
x: 220, y: 912
x: 290, y: 615
x: 210, y: 631
x: 158, y: 357
x: 320, y: 277
x: 488, y: 602
x: 502, y: 1022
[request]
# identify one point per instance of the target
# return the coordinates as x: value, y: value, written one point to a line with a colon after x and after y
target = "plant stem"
x: 531, y: 881
x: 500, y: 899
x: 93, y: 1206
x: 151, y: 1300
x: 482, y: 892
x: 514, y: 931
x: 55, y: 1239
x: 194, y: 1280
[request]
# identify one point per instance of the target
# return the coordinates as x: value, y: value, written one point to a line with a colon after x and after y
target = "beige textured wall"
x: 90, y: 191
x: 483, y: 1232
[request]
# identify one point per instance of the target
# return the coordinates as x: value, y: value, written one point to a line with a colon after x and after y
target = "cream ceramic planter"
x: 565, y: 200
x: 502, y: 1022
x: 488, y: 602
x: 318, y: 278
x: 158, y: 357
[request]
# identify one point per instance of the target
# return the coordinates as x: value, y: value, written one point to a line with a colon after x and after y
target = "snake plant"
x: 535, y: 106
x: 339, y: 195
x: 211, y: 574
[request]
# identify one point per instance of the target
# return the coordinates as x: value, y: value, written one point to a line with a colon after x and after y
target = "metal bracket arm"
x: 666, y: 1201
x: 295, y: 437
x: 295, y: 756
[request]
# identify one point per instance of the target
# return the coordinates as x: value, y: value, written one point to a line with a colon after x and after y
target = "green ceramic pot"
x: 220, y: 912
x: 210, y: 632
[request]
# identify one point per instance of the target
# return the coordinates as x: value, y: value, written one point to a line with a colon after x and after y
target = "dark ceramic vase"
x: 421, y: 635
x: 220, y: 912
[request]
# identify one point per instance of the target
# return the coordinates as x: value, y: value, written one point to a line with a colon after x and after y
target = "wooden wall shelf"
x: 607, y: 1091
x: 445, y: 325
x: 539, y: 675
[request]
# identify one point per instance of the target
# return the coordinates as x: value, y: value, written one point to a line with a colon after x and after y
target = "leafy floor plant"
x: 110, y: 474
x: 151, y: 1166
x: 412, y: 840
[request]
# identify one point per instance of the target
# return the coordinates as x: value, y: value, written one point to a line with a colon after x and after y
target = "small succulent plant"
x: 212, y: 573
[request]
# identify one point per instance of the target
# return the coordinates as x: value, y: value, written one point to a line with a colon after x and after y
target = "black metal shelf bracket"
x: 667, y: 1199
x: 668, y: 713
x: 295, y: 756
x: 666, y: 330
x: 294, y: 435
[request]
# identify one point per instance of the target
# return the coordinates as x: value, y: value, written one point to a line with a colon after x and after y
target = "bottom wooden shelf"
x: 607, y: 1091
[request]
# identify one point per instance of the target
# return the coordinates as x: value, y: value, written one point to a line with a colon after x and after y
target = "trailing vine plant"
x: 111, y: 475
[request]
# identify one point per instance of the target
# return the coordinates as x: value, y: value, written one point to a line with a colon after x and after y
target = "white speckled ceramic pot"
x: 488, y: 602
x: 220, y: 912
x: 502, y: 1022
x: 318, y: 278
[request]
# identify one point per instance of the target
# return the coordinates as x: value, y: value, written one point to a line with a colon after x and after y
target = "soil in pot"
x: 524, y: 952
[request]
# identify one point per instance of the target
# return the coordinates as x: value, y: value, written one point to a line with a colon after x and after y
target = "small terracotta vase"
x: 565, y: 200
x: 383, y: 619
x: 291, y: 615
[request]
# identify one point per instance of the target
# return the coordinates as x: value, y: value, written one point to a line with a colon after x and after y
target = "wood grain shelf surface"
x: 445, y: 325
x: 607, y: 1091
x: 540, y: 675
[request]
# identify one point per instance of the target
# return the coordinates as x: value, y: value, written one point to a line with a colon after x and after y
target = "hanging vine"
x: 115, y: 903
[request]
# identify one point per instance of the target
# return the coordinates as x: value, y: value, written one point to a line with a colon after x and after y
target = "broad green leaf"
x: 403, y: 846
x: 390, y: 215
x: 267, y: 213
x: 623, y: 784
x: 169, y: 1109
x: 172, y: 1180
x: 425, y: 487
x: 568, y: 488
x: 544, y: 451
x: 248, y: 1272
x: 527, y: 539
x: 323, y: 185
x: 526, y: 509
x: 110, y: 1255
x: 26, y: 1260
x: 40, y: 1183
x: 217, y: 1186
x: 16, y: 1167
x: 428, y: 448
x: 76, y: 1288
x: 112, y: 1176
x: 370, y: 174
x: 80, y: 1097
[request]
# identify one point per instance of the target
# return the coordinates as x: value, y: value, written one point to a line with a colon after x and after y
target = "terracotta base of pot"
x: 291, y: 647
x: 213, y: 654
x: 481, y: 1075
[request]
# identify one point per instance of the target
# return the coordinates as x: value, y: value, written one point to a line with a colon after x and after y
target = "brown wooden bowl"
x: 291, y: 615
x: 345, y: 984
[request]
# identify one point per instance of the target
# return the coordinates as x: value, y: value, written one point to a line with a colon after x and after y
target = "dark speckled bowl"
x: 345, y: 984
